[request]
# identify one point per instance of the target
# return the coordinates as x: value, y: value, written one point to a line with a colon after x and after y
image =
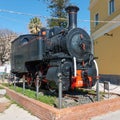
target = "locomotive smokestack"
x: 72, y: 16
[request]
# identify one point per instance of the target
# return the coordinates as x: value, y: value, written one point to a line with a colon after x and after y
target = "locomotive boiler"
x: 56, y: 53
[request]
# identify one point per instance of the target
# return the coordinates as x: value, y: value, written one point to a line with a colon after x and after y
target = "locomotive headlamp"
x: 43, y: 33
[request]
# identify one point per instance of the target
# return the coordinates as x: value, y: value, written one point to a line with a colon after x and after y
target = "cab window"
x: 24, y: 41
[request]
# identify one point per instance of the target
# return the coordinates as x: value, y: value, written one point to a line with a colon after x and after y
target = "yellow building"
x: 105, y: 32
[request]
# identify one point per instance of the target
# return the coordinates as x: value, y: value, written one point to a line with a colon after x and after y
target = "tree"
x: 6, y: 37
x: 34, y: 25
x: 57, y: 8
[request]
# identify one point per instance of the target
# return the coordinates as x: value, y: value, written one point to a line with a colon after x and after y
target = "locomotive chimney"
x: 72, y: 16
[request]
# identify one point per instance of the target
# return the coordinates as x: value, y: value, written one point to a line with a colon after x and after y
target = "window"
x: 111, y: 7
x: 96, y: 19
x: 24, y: 41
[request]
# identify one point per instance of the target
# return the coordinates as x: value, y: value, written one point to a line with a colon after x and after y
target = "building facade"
x: 105, y: 33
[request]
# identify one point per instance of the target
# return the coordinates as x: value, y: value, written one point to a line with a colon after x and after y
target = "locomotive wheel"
x: 51, y: 87
x: 29, y: 81
x: 38, y: 77
x: 35, y: 83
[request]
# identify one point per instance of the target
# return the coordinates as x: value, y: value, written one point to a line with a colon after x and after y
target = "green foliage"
x: 47, y: 99
x: 32, y: 94
x: 57, y: 8
x: 57, y: 22
x: 35, y: 25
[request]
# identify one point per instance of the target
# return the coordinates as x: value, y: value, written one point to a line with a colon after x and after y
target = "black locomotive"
x: 56, y: 53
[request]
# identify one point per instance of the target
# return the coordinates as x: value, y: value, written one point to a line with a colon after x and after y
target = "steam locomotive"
x: 56, y: 54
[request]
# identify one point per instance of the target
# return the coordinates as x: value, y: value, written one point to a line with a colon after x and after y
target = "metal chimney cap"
x: 72, y: 8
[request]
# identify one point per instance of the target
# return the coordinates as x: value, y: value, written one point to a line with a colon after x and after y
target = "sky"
x: 17, y: 22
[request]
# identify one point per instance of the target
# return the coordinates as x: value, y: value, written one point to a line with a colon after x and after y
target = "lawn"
x: 48, y: 99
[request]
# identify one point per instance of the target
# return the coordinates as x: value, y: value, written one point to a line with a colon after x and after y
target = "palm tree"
x: 34, y: 25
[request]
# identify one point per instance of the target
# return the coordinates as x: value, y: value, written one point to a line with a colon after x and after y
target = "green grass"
x: 1, y: 87
x: 32, y: 94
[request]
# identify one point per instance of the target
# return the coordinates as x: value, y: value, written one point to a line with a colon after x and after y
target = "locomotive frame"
x: 55, y: 53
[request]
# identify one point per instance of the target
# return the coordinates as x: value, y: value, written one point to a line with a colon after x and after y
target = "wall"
x: 107, y: 48
x: 102, y: 7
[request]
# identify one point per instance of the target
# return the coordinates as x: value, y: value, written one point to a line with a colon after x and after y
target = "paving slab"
x: 4, y: 103
x: 14, y: 112
x: 4, y: 100
x: 9, y: 111
x: 109, y: 116
x: 112, y: 88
